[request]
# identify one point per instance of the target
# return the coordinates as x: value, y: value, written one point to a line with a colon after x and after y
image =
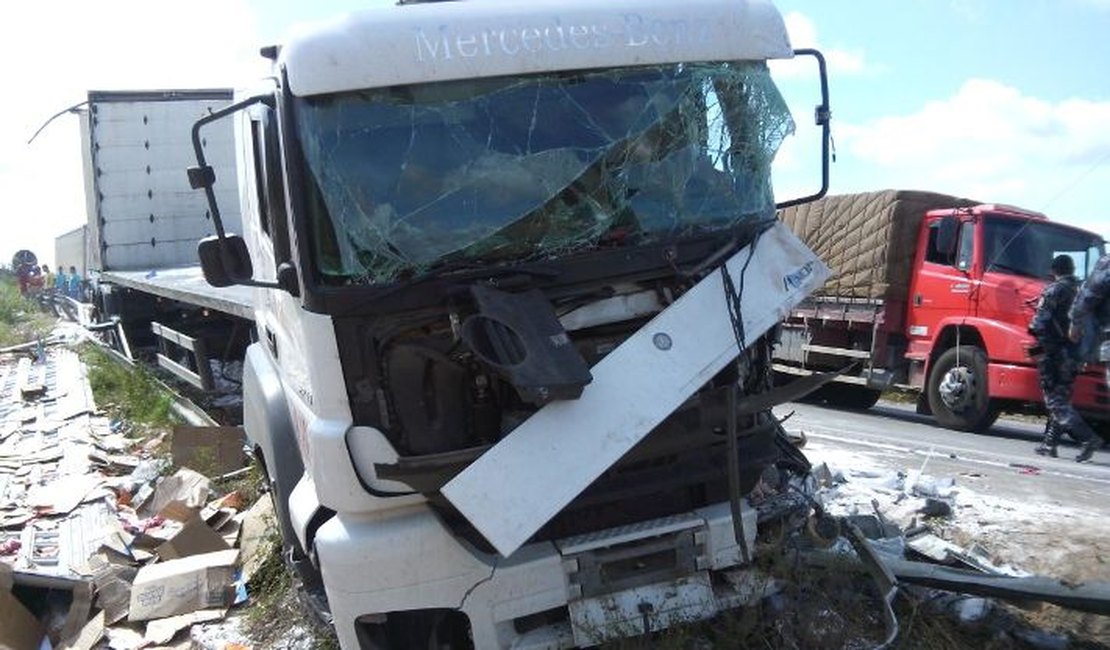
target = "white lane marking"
x: 964, y: 454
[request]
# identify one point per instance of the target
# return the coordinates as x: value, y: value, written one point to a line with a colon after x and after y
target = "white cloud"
x: 803, y: 34
x: 991, y: 142
x: 60, y: 50
x: 986, y: 121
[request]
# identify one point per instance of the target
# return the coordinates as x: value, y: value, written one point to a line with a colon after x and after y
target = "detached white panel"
x: 517, y: 486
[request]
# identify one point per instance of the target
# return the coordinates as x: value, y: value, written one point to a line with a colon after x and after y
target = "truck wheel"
x: 957, y: 391
x: 850, y: 396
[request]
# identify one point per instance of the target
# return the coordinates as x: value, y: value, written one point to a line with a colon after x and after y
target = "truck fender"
x: 270, y: 430
x: 1003, y: 342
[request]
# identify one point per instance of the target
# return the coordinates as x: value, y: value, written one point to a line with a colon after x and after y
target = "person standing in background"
x: 60, y: 283
x: 1059, y: 363
x: 73, y: 279
x: 48, y: 280
x: 1090, y: 313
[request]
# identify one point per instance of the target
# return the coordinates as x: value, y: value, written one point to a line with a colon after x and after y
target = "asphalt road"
x: 1000, y: 462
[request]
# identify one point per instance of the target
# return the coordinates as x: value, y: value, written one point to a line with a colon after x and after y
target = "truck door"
x: 942, y: 286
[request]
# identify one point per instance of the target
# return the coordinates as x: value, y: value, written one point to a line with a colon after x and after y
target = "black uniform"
x: 1059, y: 364
x: 1091, y: 310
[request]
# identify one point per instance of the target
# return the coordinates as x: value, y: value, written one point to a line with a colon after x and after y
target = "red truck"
x: 931, y: 293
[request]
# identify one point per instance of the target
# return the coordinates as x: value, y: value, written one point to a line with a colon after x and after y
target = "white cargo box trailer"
x: 72, y: 249
x: 142, y: 214
x: 144, y: 222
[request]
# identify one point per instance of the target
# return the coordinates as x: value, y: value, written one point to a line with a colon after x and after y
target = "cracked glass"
x: 407, y: 179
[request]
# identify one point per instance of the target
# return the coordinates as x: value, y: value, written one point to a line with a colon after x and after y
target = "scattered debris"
x: 19, y: 629
x: 936, y: 508
x: 183, y: 586
x: 926, y: 561
x: 141, y: 557
x: 111, y: 551
x: 1026, y: 469
x: 214, y: 451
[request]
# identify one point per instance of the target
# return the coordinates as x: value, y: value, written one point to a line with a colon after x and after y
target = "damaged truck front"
x: 516, y: 269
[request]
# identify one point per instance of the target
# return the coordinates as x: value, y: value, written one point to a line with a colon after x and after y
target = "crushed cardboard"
x: 184, y: 585
x: 162, y: 631
x: 89, y: 636
x: 83, y: 510
x: 185, y: 485
x: 212, y: 450
x: 196, y: 537
x: 19, y: 629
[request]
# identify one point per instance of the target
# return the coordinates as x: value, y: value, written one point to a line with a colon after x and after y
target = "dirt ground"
x: 1068, y: 542
x: 1073, y: 547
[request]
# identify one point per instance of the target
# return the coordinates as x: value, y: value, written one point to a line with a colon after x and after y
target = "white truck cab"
x: 515, y: 263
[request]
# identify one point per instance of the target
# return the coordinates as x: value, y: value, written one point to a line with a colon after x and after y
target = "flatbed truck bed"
x: 186, y: 285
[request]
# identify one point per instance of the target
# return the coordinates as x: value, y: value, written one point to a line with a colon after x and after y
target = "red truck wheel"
x: 957, y: 390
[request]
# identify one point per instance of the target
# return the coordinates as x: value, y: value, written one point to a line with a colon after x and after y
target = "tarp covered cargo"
x: 867, y: 239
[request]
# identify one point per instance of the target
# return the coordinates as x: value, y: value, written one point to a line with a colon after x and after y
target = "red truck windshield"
x: 1026, y: 248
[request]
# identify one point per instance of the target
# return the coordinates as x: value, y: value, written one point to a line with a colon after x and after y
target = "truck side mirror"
x: 948, y: 235
x: 225, y: 260
x: 822, y: 117
x: 224, y: 257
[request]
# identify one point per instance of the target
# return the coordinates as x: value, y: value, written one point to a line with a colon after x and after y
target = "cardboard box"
x: 209, y: 450
x: 19, y: 629
x: 196, y: 538
x: 184, y: 585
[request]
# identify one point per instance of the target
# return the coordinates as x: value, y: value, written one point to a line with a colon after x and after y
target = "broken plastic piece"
x: 519, y: 335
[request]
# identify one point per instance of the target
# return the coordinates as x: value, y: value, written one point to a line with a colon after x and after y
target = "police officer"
x: 1059, y: 363
x: 1091, y: 311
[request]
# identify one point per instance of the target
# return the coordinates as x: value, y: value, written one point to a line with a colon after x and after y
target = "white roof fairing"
x: 398, y: 45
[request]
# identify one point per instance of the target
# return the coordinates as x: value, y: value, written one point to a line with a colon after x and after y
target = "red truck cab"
x: 977, y: 275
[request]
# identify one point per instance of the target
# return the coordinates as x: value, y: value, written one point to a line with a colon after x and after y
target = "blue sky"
x: 1003, y: 101
x: 999, y: 100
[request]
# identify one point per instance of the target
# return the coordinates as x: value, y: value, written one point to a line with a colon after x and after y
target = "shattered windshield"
x: 534, y: 167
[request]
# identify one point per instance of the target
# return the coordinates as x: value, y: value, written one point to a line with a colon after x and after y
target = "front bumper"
x: 606, y: 584
x: 1022, y: 383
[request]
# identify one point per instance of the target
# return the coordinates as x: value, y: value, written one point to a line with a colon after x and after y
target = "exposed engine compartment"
x: 445, y: 385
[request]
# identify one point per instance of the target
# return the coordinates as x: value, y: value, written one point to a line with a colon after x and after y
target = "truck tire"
x: 957, y: 390
x: 849, y: 396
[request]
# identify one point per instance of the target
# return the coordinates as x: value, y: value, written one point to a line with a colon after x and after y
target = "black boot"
x: 1092, y: 445
x: 1051, y: 439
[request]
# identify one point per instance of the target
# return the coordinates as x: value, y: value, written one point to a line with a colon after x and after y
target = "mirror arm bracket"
x: 203, y: 176
x: 822, y: 116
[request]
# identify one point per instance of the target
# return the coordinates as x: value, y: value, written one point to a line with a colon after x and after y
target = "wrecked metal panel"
x: 524, y: 480
x: 642, y: 610
x: 519, y: 168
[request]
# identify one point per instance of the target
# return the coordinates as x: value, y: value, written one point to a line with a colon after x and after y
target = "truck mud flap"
x: 524, y: 480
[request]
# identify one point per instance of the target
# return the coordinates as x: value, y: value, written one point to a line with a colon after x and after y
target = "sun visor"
x: 401, y: 45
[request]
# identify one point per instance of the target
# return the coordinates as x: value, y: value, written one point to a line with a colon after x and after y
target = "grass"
x: 248, y: 485
x: 21, y: 320
x: 275, y: 609
x: 835, y: 606
x: 128, y: 393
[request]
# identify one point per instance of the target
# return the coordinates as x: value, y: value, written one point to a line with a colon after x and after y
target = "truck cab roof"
x: 398, y: 45
x: 991, y: 208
